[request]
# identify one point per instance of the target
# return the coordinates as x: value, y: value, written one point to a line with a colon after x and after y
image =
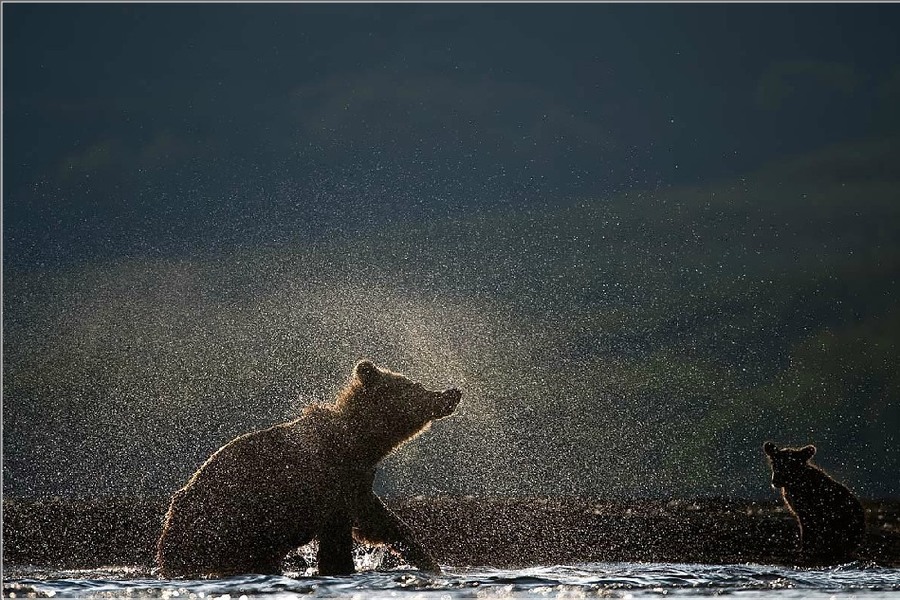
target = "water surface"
x: 601, y: 580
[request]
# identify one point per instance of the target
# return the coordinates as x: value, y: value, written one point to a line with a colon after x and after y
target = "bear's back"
x: 288, y: 460
x: 832, y: 519
x: 814, y: 491
x: 261, y: 492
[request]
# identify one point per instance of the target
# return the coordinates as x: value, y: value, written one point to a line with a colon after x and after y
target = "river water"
x: 599, y: 580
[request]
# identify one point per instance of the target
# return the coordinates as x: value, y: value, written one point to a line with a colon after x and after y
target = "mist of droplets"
x: 132, y: 372
x: 579, y: 335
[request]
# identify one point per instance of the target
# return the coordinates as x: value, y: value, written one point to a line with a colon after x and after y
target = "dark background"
x: 642, y: 238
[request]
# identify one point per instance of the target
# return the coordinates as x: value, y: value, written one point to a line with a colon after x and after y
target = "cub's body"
x: 831, y: 519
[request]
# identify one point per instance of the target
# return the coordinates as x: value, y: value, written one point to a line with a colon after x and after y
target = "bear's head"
x: 787, y: 464
x: 391, y: 406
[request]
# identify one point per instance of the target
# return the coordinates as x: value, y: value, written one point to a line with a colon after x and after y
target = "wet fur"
x: 268, y: 492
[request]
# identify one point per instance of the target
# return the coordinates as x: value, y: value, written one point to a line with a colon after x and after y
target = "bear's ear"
x: 770, y: 448
x: 366, y: 372
x: 807, y: 452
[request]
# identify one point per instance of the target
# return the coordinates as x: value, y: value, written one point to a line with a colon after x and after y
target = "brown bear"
x: 268, y: 492
x: 831, y: 519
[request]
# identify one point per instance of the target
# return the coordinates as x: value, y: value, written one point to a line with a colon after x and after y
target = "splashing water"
x: 186, y: 355
x: 593, y: 360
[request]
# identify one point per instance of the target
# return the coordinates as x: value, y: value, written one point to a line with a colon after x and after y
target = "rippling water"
x: 606, y: 580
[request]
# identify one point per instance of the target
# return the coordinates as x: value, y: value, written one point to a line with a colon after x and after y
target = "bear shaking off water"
x: 832, y: 521
x: 268, y: 492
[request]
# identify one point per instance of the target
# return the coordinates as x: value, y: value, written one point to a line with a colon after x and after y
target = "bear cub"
x: 268, y: 492
x: 831, y: 519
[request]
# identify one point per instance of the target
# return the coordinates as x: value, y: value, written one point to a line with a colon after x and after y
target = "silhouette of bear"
x: 268, y: 492
x: 831, y: 519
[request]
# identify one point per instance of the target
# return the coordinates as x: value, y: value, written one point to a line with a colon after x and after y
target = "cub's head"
x: 787, y: 464
x: 397, y: 406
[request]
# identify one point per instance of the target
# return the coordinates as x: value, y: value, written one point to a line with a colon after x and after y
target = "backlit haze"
x: 642, y: 239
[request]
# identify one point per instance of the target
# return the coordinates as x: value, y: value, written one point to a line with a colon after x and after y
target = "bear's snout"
x: 450, y: 400
x: 777, y: 482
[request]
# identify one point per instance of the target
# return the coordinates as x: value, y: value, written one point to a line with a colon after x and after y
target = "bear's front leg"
x: 376, y: 524
x: 335, y: 555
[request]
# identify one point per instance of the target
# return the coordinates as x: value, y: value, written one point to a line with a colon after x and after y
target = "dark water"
x: 603, y: 580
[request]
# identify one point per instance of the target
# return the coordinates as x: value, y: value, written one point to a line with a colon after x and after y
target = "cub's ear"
x: 807, y: 452
x: 366, y: 372
x: 770, y: 448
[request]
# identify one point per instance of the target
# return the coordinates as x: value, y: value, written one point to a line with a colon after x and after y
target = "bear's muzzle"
x: 449, y: 400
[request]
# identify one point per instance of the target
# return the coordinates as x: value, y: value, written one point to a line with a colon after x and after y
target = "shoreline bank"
x: 472, y: 531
